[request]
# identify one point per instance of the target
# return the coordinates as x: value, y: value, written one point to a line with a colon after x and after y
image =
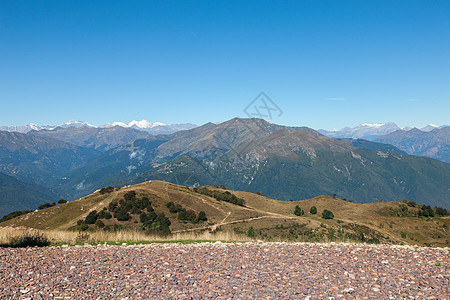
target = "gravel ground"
x: 224, y: 271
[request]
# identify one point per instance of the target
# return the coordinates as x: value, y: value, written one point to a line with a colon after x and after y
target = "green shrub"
x: 191, y: 216
x: 426, y: 211
x: 373, y: 240
x: 14, y: 214
x: 142, y: 203
x: 112, y: 206
x: 148, y: 219
x: 313, y: 210
x: 159, y: 225
x: 129, y: 196
x: 91, y: 217
x: 410, y: 203
x: 182, y: 214
x: 441, y: 211
x: 149, y: 207
x: 326, y: 214
x: 46, y: 205
x: 81, y: 227
x: 331, y: 232
x: 28, y: 240
x: 122, y: 215
x: 298, y: 211
x: 221, y: 196
x: 62, y: 201
x: 103, y: 214
x: 201, y: 217
x: 107, y: 190
x: 174, y: 208
x: 99, y: 224
x: 251, y: 232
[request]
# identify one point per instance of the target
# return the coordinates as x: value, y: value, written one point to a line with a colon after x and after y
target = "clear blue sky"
x: 326, y: 64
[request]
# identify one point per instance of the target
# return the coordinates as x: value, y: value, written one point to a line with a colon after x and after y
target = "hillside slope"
x: 259, y: 217
x: 434, y: 144
x: 38, y: 159
x: 18, y: 195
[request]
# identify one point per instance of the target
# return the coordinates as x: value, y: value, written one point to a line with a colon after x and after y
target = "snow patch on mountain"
x: 143, y: 125
x: 77, y: 124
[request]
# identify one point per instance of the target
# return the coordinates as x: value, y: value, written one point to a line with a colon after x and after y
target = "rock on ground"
x: 224, y: 271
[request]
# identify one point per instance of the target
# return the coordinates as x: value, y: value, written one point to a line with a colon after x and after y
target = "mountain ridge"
x: 143, y: 125
x: 371, y: 132
x: 434, y: 143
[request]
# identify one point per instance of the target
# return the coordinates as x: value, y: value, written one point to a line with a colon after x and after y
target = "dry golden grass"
x: 71, y: 237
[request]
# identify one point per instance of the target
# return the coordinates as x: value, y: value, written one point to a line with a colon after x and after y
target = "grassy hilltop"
x: 165, y: 209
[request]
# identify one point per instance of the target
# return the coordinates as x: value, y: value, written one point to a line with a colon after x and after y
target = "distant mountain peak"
x: 368, y: 131
x: 73, y: 123
x: 430, y: 127
x: 373, y: 125
x: 144, y: 124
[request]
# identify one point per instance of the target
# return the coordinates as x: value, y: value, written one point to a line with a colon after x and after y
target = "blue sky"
x: 326, y: 64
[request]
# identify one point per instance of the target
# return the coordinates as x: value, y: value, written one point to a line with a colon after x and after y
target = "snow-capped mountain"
x: 24, y: 128
x: 364, y: 131
x: 152, y: 128
x: 371, y: 132
x: 143, y: 125
x: 431, y: 127
x: 31, y: 126
x: 76, y: 124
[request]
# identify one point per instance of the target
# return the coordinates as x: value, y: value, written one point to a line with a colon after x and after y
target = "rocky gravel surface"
x: 225, y: 271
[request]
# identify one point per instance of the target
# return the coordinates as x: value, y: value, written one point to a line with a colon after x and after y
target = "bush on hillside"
x: 326, y: 214
x: 28, y: 240
x: 103, y: 214
x: 46, y: 205
x: 221, y: 196
x: 410, y: 203
x: 99, y: 224
x: 107, y: 190
x: 201, y: 217
x: 174, y: 208
x: 251, y: 232
x: 14, y: 214
x: 129, y: 196
x: 186, y: 215
x: 313, y: 210
x: 122, y: 215
x: 91, y: 217
x: 298, y: 211
x: 155, y: 223
x: 439, y: 211
x: 62, y: 201
x: 426, y: 211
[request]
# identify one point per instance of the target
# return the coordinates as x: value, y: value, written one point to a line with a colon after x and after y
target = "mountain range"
x: 286, y: 163
x: 371, y: 131
x: 144, y: 125
x: 434, y: 143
